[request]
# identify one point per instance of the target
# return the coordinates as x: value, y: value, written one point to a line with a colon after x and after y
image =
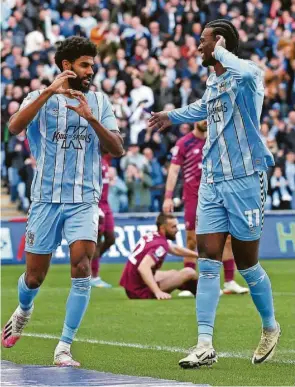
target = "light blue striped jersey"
x: 232, y: 105
x: 66, y: 149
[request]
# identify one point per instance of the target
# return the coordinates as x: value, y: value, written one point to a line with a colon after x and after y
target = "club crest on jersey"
x: 160, y: 252
x: 30, y: 238
x: 175, y: 150
x: 54, y: 112
x: 222, y: 87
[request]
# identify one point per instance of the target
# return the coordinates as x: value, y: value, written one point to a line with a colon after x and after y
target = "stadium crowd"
x: 148, y: 61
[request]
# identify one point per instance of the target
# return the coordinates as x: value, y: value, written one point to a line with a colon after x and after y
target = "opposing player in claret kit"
x: 66, y: 123
x: 187, y: 156
x: 233, y: 186
x: 106, y: 228
x: 142, y: 277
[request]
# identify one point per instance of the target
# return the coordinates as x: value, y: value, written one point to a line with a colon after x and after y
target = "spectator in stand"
x: 117, y: 198
x: 18, y: 152
x: 290, y: 174
x: 133, y: 156
x: 148, y: 60
x: 86, y: 22
x: 67, y: 23
x: 280, y: 191
x: 120, y: 106
x: 158, y: 184
x: 156, y: 38
x: 141, y: 94
x: 187, y: 92
x: 138, y: 121
x: 166, y: 95
x: 151, y: 77
x: 167, y: 18
x: 139, y: 184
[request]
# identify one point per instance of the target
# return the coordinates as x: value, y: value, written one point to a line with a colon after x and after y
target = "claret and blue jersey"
x: 232, y: 105
x: 66, y: 149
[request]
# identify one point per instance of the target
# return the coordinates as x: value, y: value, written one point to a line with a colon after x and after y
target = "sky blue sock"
x: 207, y: 298
x: 25, y: 295
x: 260, y: 289
x: 76, y: 307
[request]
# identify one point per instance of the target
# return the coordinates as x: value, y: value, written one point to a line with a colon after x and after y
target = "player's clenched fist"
x: 162, y: 296
x: 159, y: 121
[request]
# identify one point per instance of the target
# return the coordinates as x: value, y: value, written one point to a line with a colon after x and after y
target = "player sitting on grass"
x: 142, y: 278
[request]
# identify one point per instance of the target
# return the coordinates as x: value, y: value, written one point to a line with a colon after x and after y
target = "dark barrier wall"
x: 278, y: 240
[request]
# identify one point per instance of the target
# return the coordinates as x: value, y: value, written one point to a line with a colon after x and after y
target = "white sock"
x: 63, y: 346
x: 25, y: 313
x: 205, y: 340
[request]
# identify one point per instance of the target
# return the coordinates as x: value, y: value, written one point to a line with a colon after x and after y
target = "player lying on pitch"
x: 142, y: 278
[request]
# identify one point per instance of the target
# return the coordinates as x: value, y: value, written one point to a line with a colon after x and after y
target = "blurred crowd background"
x: 148, y: 60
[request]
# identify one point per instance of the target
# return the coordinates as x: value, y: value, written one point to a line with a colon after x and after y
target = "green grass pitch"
x: 158, y: 332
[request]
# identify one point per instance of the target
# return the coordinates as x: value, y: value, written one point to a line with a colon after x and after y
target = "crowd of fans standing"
x: 148, y: 60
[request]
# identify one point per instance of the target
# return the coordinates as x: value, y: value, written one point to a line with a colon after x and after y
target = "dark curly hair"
x: 73, y: 48
x: 228, y: 31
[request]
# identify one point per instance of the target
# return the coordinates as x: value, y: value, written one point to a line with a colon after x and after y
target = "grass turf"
x: 114, y: 318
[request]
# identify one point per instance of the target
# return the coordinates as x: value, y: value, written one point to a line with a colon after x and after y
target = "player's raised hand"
x: 220, y: 42
x: 168, y: 206
x: 162, y: 295
x: 56, y: 86
x: 83, y: 109
x: 159, y: 121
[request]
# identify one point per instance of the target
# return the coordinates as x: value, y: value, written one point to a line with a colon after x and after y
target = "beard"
x: 171, y: 237
x: 77, y: 83
x: 209, y: 62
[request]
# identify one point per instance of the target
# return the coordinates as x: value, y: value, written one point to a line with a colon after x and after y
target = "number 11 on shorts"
x: 253, y: 214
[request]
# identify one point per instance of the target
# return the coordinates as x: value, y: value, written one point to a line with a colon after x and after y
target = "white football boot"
x: 232, y: 287
x: 185, y: 293
x: 64, y: 358
x: 201, y: 355
x: 267, y: 345
x: 12, y: 331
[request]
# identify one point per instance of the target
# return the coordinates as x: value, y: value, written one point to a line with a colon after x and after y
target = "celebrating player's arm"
x: 109, y: 137
x: 196, y: 111
x: 145, y: 270
x: 35, y: 100
x: 242, y: 70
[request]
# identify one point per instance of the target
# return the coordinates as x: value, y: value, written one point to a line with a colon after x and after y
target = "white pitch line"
x: 120, y: 289
x: 227, y: 355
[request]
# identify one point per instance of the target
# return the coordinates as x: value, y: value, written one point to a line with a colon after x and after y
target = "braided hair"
x: 228, y: 31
